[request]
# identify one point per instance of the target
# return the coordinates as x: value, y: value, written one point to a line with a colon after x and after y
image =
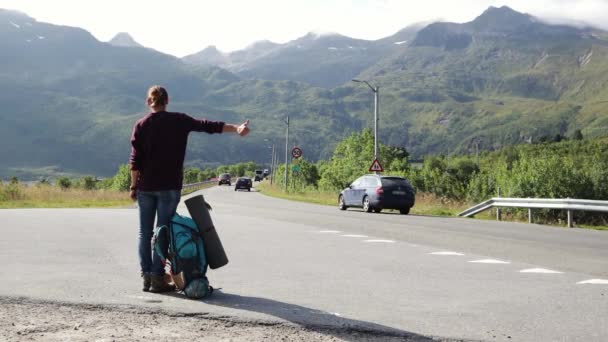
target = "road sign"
x: 376, y: 167
x: 296, y: 152
x: 296, y: 168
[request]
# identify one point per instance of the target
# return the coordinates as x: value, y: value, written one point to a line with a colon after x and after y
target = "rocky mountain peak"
x: 501, y: 19
x: 124, y: 39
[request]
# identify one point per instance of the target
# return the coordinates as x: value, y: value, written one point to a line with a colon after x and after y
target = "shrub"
x: 64, y: 182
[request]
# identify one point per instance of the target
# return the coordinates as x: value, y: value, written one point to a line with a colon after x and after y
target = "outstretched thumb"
x: 246, y: 123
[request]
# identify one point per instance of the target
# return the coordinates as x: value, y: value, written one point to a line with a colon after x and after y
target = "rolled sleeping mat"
x: 214, y: 251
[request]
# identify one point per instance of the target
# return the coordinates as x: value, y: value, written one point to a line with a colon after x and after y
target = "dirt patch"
x: 27, y: 320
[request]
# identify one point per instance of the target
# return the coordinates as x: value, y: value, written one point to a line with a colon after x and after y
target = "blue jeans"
x: 162, y: 204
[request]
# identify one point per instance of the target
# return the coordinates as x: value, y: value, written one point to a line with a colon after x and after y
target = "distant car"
x: 376, y: 192
x: 243, y: 183
x: 259, y: 175
x: 224, y: 179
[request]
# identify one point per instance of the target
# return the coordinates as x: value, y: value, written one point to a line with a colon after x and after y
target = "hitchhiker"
x: 158, y: 148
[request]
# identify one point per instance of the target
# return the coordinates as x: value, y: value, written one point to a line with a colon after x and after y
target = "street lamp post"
x: 376, y: 105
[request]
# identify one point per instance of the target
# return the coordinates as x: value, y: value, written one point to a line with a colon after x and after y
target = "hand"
x: 133, y: 195
x: 243, y: 129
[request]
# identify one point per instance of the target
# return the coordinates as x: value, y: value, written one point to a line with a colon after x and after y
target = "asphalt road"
x: 317, y: 266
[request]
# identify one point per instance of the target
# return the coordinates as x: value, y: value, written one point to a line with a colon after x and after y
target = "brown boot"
x: 147, y: 282
x: 159, y: 284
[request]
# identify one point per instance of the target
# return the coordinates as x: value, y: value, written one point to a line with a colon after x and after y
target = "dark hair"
x: 157, y: 96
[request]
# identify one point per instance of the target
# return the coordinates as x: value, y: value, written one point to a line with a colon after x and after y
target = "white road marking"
x: 540, y: 270
x: 594, y: 282
x: 447, y: 253
x: 355, y: 236
x: 489, y: 261
x: 329, y: 231
x: 385, y: 241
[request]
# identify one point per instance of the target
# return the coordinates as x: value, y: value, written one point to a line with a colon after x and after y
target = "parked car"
x: 224, y: 179
x: 376, y: 192
x: 259, y: 175
x: 243, y: 183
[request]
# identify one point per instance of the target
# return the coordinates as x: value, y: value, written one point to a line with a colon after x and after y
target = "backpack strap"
x: 160, y: 239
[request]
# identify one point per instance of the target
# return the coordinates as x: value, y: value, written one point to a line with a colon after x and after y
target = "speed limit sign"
x: 296, y: 152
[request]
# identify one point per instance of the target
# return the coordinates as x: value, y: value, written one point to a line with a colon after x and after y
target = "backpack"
x: 186, y: 255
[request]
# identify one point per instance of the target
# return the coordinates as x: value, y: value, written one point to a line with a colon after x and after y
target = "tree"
x: 578, y: 135
x: 191, y: 175
x: 88, y: 182
x: 122, y: 180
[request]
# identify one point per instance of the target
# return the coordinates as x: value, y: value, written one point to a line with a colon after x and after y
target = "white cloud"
x: 183, y: 26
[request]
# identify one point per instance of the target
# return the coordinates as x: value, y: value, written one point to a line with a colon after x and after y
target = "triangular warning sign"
x: 376, y: 167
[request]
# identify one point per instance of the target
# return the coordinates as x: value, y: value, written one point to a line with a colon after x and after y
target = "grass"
x: 47, y: 196
x: 17, y: 196
x: 426, y: 204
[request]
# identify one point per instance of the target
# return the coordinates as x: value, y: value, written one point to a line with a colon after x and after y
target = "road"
x: 318, y: 267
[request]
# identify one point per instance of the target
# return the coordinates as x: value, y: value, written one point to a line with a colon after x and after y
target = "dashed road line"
x: 489, y: 261
x: 330, y: 231
x: 354, y: 236
x: 594, y: 282
x: 380, y: 241
x: 540, y: 270
x: 447, y: 253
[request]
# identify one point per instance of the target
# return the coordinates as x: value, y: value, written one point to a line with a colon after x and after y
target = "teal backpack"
x: 186, y: 254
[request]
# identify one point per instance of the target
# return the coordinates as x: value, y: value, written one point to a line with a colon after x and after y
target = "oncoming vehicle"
x: 243, y: 183
x: 376, y: 192
x: 224, y: 179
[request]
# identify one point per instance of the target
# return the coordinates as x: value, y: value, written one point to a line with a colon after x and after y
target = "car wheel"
x: 404, y: 211
x: 219, y: 184
x: 229, y: 184
x: 377, y: 210
x: 367, y: 207
x: 249, y: 189
x: 341, y: 204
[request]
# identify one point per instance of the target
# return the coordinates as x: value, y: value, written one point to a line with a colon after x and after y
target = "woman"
x: 158, y: 144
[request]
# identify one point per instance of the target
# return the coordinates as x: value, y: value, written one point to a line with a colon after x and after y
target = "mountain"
x: 504, y: 78
x: 319, y: 59
x: 124, y: 39
x: 210, y: 56
x: 69, y: 101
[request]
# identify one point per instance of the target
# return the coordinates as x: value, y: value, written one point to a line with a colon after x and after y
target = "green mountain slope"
x: 502, y: 79
x: 70, y: 101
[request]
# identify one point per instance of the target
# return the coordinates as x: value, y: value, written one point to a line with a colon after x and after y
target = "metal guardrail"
x: 538, y: 203
x: 194, y: 185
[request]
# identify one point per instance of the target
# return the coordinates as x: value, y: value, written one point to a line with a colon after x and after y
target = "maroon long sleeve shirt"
x: 158, y: 148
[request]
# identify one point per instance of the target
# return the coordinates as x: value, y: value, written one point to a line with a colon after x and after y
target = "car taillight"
x: 379, y: 190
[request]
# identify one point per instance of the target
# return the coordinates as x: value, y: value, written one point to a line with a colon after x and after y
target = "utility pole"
x: 286, y: 152
x: 376, y: 91
x: 272, y: 164
x: 376, y: 104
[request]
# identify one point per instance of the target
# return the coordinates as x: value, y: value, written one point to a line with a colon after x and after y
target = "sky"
x: 182, y: 27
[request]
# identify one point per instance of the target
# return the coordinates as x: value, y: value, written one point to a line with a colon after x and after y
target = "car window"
x: 394, y: 181
x: 358, y: 182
